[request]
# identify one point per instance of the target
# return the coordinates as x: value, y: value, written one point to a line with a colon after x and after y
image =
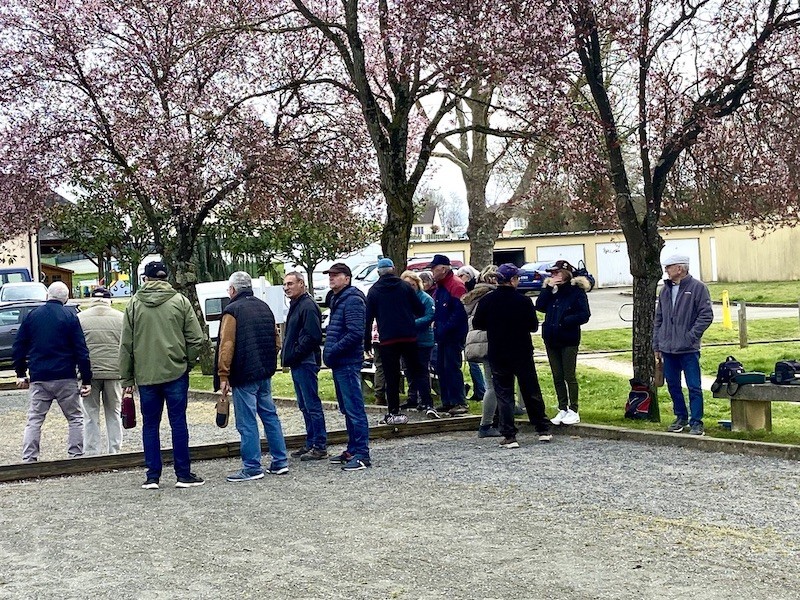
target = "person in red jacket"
x: 450, y: 332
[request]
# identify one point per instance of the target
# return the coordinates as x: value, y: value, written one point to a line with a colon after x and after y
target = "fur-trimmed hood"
x: 471, y: 298
x: 580, y: 281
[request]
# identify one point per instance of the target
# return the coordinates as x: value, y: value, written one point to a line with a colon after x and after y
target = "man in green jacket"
x: 102, y: 327
x: 161, y: 340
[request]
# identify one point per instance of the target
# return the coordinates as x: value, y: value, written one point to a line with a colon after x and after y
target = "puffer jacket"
x: 161, y: 336
x: 102, y: 327
x: 344, y: 340
x: 566, y: 308
x: 678, y: 329
x: 477, y: 346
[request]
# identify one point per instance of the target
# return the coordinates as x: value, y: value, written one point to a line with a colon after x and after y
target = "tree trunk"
x: 184, y: 279
x: 397, y: 230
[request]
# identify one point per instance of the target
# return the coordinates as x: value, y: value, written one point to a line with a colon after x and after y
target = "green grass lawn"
x: 779, y: 292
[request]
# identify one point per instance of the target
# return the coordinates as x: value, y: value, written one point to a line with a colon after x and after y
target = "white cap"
x: 676, y: 259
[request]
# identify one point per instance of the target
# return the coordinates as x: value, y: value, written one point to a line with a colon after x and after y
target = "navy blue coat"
x: 51, y: 340
x: 303, y: 333
x: 344, y: 338
x: 566, y: 308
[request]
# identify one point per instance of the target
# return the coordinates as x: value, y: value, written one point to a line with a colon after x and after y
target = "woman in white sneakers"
x: 563, y: 300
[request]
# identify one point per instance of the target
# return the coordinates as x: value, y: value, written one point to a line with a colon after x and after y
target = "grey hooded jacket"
x: 678, y: 329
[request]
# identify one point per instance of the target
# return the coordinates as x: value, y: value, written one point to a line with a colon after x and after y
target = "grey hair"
x: 240, y: 281
x: 58, y: 290
x: 426, y: 277
x: 297, y: 275
x: 384, y: 270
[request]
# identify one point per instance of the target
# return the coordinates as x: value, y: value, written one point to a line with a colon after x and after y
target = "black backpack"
x: 727, y: 370
x: 787, y: 372
x: 638, y: 404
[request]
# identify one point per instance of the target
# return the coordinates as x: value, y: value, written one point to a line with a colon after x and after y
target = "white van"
x: 213, y: 297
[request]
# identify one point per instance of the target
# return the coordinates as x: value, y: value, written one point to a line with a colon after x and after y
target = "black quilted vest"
x: 255, y: 357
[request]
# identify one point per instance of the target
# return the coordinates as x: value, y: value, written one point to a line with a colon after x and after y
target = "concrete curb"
x: 682, y: 440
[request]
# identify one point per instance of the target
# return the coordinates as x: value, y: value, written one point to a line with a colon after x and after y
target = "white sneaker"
x: 570, y: 418
x: 559, y: 418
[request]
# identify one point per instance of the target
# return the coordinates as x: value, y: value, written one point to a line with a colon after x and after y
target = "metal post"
x: 742, y: 324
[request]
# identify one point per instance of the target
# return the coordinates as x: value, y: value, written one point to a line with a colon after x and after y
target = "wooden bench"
x: 751, y: 406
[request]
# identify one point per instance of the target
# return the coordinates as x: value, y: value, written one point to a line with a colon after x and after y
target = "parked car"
x: 11, y: 316
x: 14, y: 274
x: 23, y: 290
x: 532, y: 275
x: 422, y: 264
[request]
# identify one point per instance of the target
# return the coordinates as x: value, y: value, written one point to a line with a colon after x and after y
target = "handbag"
x: 658, y: 376
x: 128, y: 411
x: 223, y: 411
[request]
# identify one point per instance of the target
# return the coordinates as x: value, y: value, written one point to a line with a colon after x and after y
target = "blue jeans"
x: 448, y: 368
x: 689, y: 363
x: 347, y: 381
x: 250, y: 401
x: 306, y: 388
x: 478, y: 383
x: 152, y: 399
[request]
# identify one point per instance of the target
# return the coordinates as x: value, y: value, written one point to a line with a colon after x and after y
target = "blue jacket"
x: 450, y: 316
x: 395, y: 306
x: 566, y: 308
x: 51, y: 340
x: 678, y: 329
x: 423, y: 323
x: 344, y: 339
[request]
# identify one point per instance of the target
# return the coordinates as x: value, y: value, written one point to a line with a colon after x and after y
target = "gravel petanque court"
x: 443, y: 516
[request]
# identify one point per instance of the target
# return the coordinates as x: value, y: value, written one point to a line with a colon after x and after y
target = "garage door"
x: 613, y: 266
x: 690, y: 248
x: 572, y: 253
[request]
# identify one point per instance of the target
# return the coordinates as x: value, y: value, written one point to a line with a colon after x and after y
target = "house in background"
x: 429, y: 224
x: 22, y: 253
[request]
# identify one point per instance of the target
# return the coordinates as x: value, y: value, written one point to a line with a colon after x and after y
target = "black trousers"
x: 503, y: 375
x: 390, y: 356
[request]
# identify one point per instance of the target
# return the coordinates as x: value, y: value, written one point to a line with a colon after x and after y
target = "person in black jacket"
x: 563, y: 300
x: 509, y: 318
x: 301, y: 353
x: 51, y: 340
x: 395, y: 306
x: 247, y: 358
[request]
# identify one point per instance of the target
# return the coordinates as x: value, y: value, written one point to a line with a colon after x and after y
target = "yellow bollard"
x: 726, y: 311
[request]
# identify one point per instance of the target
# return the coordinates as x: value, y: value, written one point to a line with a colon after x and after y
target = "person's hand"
x: 557, y: 278
x: 224, y: 388
x: 86, y: 390
x: 658, y: 356
x: 128, y: 390
x: 23, y: 383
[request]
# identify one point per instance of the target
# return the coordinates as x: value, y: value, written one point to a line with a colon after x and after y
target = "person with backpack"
x: 565, y: 305
x: 682, y: 316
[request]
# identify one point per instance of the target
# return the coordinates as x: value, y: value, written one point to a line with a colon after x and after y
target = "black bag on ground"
x: 727, y: 370
x: 787, y: 372
x: 638, y: 404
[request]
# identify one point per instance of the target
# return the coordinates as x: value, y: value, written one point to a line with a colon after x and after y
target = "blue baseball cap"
x: 385, y: 263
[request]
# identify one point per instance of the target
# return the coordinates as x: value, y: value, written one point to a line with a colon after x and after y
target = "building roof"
x: 428, y: 215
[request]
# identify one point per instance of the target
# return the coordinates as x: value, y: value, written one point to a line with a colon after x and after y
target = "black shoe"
x: 409, y: 405
x: 678, y: 425
x: 475, y: 398
x: 299, y: 452
x: 444, y: 408
x: 150, y: 484
x: 460, y: 409
x: 697, y: 429
x: 315, y: 454
x: 191, y: 481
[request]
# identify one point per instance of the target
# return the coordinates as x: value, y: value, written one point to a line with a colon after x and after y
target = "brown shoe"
x: 315, y: 454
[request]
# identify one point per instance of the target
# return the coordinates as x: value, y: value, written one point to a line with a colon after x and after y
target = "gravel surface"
x: 445, y: 516
x: 200, y: 415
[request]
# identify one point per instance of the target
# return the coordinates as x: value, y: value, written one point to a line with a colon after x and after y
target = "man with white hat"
x: 682, y: 316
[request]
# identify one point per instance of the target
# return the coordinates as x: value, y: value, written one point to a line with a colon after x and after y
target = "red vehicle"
x: 421, y: 264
